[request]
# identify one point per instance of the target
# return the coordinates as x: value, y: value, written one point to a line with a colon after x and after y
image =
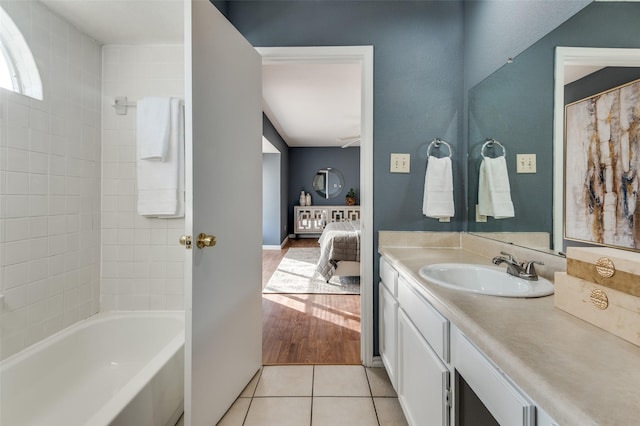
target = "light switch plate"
x: 400, y: 163
x: 526, y: 163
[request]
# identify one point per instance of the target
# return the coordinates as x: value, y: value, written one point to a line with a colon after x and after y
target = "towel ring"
x: 489, y: 143
x: 437, y: 142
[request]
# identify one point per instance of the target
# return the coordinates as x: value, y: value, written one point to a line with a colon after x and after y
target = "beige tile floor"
x: 320, y: 395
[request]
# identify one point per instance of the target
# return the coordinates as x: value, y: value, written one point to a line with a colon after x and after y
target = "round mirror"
x: 328, y: 182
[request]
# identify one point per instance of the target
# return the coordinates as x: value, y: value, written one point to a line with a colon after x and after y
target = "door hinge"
x: 447, y: 397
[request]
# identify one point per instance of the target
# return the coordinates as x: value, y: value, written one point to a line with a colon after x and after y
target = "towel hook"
x: 437, y: 142
x: 489, y: 144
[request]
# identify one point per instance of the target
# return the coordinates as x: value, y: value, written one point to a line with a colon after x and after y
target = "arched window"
x: 18, y: 70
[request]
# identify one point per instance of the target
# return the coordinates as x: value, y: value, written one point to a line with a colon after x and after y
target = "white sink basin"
x: 490, y: 280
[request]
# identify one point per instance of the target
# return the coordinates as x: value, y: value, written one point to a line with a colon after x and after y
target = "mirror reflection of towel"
x: 438, y: 188
x: 494, y: 191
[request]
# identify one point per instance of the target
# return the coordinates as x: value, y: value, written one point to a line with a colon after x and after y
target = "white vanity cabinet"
x: 426, y: 356
x: 414, y: 347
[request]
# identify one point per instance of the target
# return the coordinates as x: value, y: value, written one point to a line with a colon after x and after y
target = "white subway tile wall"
x: 50, y: 161
x: 142, y: 263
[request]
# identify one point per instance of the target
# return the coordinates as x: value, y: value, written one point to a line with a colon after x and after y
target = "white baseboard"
x: 275, y: 247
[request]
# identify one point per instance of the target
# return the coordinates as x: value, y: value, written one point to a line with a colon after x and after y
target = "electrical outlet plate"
x: 400, y: 163
x: 526, y: 163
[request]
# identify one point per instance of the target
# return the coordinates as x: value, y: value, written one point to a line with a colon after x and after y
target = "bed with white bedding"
x: 339, y: 249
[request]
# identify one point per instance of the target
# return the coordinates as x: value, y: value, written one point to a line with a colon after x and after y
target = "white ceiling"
x: 313, y: 104
x: 125, y: 21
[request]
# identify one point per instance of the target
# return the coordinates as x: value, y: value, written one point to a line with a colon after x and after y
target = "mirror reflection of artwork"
x: 328, y: 182
x: 602, y: 144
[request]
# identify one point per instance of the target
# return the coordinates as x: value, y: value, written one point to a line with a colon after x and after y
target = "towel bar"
x: 437, y: 142
x: 120, y: 103
x: 490, y: 143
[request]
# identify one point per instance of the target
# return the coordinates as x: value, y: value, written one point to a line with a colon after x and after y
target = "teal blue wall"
x: 305, y: 162
x: 498, y: 30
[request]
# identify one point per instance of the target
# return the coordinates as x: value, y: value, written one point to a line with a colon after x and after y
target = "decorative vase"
x: 303, y: 199
x: 350, y: 201
x: 308, y: 199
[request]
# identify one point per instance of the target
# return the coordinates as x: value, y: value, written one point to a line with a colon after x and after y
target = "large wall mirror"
x: 328, y: 182
x: 522, y: 106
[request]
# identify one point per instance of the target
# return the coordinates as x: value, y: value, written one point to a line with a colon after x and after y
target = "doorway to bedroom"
x: 318, y: 116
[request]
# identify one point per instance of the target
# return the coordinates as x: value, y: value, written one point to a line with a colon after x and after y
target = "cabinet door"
x: 423, y: 380
x: 388, y: 315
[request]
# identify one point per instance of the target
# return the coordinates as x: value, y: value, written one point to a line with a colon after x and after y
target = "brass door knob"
x: 205, y: 240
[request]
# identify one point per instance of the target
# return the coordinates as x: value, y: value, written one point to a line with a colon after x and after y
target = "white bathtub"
x: 111, y: 369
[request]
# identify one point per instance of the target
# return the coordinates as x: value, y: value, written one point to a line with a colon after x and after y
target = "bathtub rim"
x: 118, y: 402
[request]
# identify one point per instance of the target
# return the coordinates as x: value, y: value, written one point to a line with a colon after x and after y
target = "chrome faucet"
x: 524, y: 270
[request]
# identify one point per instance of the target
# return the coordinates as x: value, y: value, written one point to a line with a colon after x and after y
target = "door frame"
x: 364, y: 56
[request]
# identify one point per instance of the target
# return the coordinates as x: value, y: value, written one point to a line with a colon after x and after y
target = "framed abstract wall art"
x: 602, y: 159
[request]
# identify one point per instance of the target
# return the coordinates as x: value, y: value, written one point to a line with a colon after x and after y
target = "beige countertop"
x: 576, y: 372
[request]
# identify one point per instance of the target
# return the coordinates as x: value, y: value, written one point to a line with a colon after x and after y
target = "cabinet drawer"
x: 502, y: 399
x: 389, y: 276
x: 431, y: 324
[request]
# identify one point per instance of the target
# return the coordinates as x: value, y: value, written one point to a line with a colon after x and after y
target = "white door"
x: 223, y: 118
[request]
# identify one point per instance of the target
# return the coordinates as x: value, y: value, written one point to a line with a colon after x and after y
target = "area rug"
x: 296, y: 273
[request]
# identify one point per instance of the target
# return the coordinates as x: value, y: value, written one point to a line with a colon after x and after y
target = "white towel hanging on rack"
x: 438, y: 188
x: 161, y: 183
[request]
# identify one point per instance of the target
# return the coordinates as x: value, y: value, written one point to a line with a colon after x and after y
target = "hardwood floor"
x: 307, y: 328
